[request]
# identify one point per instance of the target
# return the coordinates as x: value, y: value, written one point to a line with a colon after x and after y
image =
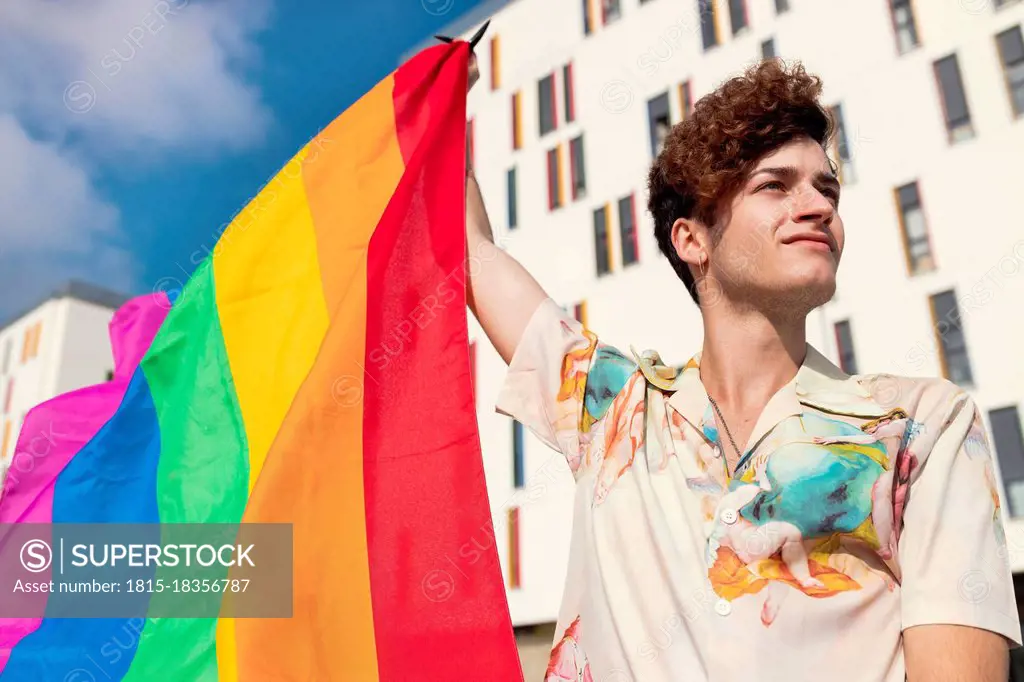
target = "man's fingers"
x: 474, y: 71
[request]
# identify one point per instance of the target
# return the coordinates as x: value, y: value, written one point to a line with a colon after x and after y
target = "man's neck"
x: 748, y: 357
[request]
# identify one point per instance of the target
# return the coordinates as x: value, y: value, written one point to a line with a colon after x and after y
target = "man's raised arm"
x: 501, y: 293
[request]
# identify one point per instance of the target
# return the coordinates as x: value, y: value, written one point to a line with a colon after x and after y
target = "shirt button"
x: 723, y: 607
x: 729, y: 516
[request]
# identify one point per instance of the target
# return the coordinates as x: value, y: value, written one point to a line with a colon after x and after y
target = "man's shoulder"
x: 610, y: 372
x: 923, y: 398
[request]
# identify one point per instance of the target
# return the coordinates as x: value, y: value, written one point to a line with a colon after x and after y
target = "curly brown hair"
x: 707, y: 157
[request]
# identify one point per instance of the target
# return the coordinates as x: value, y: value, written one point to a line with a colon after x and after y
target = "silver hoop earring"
x: 700, y: 266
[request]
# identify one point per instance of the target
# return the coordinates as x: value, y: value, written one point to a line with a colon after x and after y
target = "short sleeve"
x: 952, y: 549
x: 562, y: 380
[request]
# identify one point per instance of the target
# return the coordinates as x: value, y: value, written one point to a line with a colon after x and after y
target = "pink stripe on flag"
x: 54, y: 432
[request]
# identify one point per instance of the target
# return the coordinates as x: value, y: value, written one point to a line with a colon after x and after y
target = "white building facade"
x: 573, y: 98
x: 59, y: 345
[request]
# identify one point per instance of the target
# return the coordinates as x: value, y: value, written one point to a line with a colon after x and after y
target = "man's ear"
x: 688, y: 238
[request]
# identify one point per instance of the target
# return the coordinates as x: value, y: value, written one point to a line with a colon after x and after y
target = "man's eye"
x: 773, y: 184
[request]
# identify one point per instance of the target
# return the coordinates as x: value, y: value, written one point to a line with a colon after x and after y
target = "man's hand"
x: 477, y: 224
x: 474, y: 72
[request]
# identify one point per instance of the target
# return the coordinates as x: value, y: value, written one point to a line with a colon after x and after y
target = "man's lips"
x: 812, y: 239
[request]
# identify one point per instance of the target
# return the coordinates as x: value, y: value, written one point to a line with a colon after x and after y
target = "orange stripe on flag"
x: 313, y: 475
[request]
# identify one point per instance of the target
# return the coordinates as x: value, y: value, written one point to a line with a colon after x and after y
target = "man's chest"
x: 815, y: 495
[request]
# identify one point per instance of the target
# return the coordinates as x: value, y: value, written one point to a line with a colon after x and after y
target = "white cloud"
x: 87, y: 84
x: 145, y: 75
x: 54, y: 227
x: 30, y: 167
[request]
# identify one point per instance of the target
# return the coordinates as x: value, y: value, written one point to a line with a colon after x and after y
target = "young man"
x: 759, y: 515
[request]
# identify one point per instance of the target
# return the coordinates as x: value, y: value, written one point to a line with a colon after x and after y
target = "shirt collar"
x: 818, y: 384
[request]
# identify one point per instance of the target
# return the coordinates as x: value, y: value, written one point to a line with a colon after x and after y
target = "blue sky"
x: 132, y: 130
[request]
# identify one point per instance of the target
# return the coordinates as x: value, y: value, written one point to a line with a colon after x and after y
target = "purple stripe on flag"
x: 54, y: 432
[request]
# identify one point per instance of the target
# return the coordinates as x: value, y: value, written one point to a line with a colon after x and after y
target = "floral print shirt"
x: 865, y: 505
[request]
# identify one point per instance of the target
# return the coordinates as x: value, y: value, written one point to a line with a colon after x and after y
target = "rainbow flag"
x: 313, y: 371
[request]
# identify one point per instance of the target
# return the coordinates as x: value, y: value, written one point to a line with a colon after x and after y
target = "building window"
x: 781, y: 6
x: 470, y: 155
x: 567, y: 89
x: 517, y: 120
x: 956, y: 365
x: 555, y: 198
x: 738, y: 15
x: 602, y: 241
x: 841, y: 148
x: 708, y: 23
x: 627, y: 230
x: 660, y: 122
x: 7, y: 395
x: 1011, y: 52
x: 904, y: 25
x: 5, y: 444
x: 513, y: 209
x: 30, y: 342
x: 916, y: 243
x: 768, y: 49
x: 546, y: 104
x: 518, y: 457
x: 610, y: 11
x: 588, y: 18
x: 26, y: 341
x: 686, y: 99
x: 844, y: 346
x: 514, y: 569
x: 577, y: 168
x: 580, y: 312
x: 495, y: 63
x: 7, y: 357
x: 1009, y: 446
x: 954, y: 99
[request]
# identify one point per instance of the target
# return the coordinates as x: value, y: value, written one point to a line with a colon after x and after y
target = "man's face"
x: 780, y: 238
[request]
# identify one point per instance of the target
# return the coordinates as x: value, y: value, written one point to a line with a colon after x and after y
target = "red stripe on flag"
x: 439, y: 604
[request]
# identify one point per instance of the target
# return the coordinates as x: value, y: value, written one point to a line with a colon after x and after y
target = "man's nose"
x: 812, y: 205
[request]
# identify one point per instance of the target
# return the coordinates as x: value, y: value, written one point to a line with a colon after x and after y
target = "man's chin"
x: 795, y: 298
x: 801, y: 300
x: 814, y: 295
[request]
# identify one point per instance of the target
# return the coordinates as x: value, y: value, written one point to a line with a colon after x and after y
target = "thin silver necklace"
x: 724, y: 425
